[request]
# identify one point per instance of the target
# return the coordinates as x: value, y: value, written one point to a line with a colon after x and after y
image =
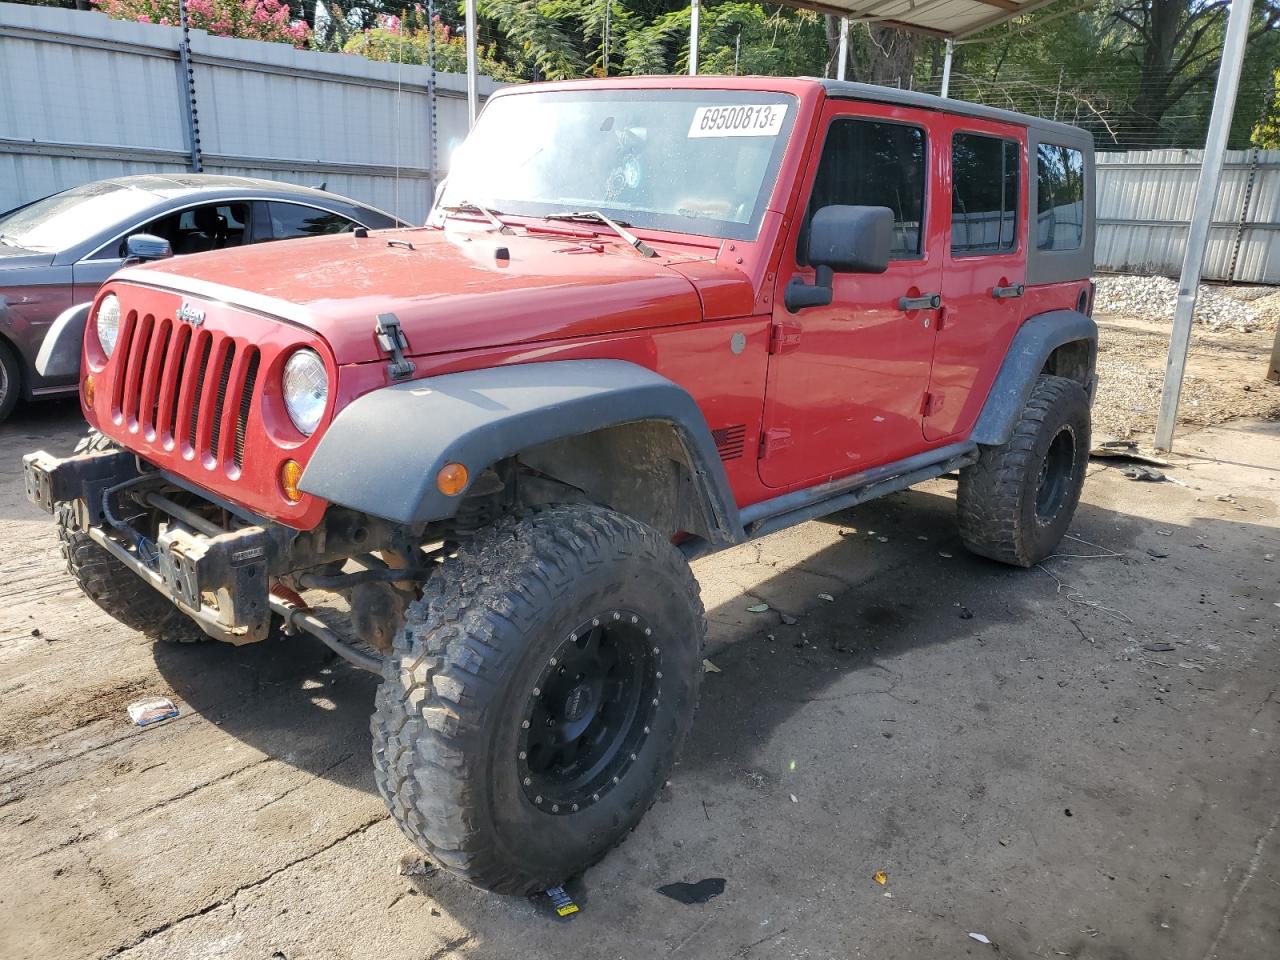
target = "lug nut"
x: 527, y: 781
x: 524, y: 725
x: 524, y: 755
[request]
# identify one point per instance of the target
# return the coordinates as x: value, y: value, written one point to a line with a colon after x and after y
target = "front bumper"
x: 219, y: 578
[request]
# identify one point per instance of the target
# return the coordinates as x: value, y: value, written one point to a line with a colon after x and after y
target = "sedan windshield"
x: 688, y: 161
x: 69, y: 218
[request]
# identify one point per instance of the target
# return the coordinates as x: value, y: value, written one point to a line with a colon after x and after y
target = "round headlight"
x: 108, y: 323
x: 306, y: 389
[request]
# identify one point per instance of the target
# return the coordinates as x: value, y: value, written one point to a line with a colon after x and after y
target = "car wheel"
x: 534, y: 704
x: 1016, y: 503
x: 10, y: 380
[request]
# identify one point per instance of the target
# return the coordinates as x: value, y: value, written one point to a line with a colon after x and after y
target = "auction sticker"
x: 738, y: 120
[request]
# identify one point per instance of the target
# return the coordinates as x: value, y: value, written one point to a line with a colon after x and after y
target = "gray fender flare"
x: 59, y: 354
x: 1035, y: 340
x: 381, y: 454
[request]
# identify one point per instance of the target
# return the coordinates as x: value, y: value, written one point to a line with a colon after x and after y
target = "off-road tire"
x: 447, y: 726
x: 1016, y: 503
x: 10, y: 380
x: 113, y: 586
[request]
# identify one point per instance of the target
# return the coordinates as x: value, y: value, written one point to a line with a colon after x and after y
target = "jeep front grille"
x: 187, y: 387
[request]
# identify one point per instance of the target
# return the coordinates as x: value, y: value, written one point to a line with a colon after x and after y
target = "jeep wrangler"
x: 647, y: 319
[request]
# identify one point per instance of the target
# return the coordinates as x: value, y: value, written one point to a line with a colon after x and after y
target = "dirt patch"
x: 1225, y: 379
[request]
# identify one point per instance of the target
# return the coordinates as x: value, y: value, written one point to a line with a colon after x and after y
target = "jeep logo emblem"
x: 190, y: 314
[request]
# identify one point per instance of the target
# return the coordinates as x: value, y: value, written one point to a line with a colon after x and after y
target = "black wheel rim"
x: 1056, y: 470
x: 589, y: 712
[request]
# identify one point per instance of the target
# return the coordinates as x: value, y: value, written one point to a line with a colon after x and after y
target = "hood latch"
x: 391, y: 339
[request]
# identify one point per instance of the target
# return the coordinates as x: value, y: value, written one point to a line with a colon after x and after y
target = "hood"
x: 451, y: 290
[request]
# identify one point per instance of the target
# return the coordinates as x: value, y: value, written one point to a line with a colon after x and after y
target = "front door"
x: 985, y: 260
x: 846, y: 381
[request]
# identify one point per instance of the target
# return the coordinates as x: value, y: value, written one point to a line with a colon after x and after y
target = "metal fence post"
x: 189, y: 84
x: 1224, y: 105
x: 1244, y: 214
x: 946, y: 68
x: 431, y: 100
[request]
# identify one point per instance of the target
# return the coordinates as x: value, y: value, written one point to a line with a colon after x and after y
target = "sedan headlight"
x: 306, y: 389
x: 108, y: 323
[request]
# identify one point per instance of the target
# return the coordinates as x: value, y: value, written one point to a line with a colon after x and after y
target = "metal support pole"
x: 842, y: 62
x: 1224, y: 104
x: 946, y: 68
x: 473, y: 79
x: 608, y: 10
x: 693, y: 39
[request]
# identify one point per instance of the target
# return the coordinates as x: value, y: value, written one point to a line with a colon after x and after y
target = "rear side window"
x: 1059, y: 198
x: 984, y: 194
x: 289, y: 220
x: 867, y: 163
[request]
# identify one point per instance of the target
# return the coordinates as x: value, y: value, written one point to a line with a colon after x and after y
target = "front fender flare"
x: 1031, y: 347
x: 381, y: 454
x: 59, y: 354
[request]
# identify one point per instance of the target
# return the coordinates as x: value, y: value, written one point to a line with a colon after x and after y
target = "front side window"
x: 873, y: 164
x: 1059, y: 197
x: 984, y: 194
x: 289, y: 220
x: 689, y: 161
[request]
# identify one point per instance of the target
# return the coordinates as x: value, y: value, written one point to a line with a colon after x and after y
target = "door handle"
x: 927, y: 301
x: 1007, y: 293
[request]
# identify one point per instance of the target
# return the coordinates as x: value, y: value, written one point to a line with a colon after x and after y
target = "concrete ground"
x: 1075, y: 761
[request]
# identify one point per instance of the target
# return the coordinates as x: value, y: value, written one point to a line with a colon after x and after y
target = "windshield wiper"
x: 595, y: 216
x: 466, y: 206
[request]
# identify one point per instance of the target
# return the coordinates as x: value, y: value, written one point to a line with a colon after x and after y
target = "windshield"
x: 688, y: 161
x: 73, y: 216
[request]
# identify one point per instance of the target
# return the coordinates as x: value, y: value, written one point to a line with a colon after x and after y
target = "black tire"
x: 457, y: 747
x: 10, y: 380
x: 113, y: 586
x: 1017, y: 501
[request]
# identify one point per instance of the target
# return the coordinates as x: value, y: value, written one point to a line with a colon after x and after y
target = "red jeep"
x: 649, y: 318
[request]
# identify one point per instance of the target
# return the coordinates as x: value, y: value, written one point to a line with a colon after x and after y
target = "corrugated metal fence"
x: 1144, y: 204
x: 83, y: 97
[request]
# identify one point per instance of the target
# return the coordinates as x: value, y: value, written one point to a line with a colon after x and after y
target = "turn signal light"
x: 290, y: 474
x: 88, y: 391
x: 452, y: 479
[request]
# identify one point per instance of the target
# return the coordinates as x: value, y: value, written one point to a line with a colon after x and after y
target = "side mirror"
x: 145, y: 246
x: 842, y: 239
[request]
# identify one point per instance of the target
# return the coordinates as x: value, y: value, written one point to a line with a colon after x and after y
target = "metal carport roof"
x: 952, y: 19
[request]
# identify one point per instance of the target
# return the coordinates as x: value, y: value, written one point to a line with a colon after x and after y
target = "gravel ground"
x: 1225, y: 373
x: 1217, y: 307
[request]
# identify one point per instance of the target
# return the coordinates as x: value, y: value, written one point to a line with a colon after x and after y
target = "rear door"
x: 985, y: 267
x: 846, y: 380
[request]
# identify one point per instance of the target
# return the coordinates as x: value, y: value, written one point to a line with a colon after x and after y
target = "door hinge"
x: 944, y: 317
x: 773, y: 440
x: 391, y: 339
x: 784, y: 337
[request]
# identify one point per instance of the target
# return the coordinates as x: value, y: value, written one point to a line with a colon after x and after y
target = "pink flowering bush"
x: 245, y: 19
x: 407, y: 39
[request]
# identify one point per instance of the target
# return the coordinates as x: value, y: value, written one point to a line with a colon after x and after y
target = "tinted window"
x: 984, y: 194
x: 866, y: 163
x: 1059, y: 198
x: 213, y: 226
x: 290, y: 220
